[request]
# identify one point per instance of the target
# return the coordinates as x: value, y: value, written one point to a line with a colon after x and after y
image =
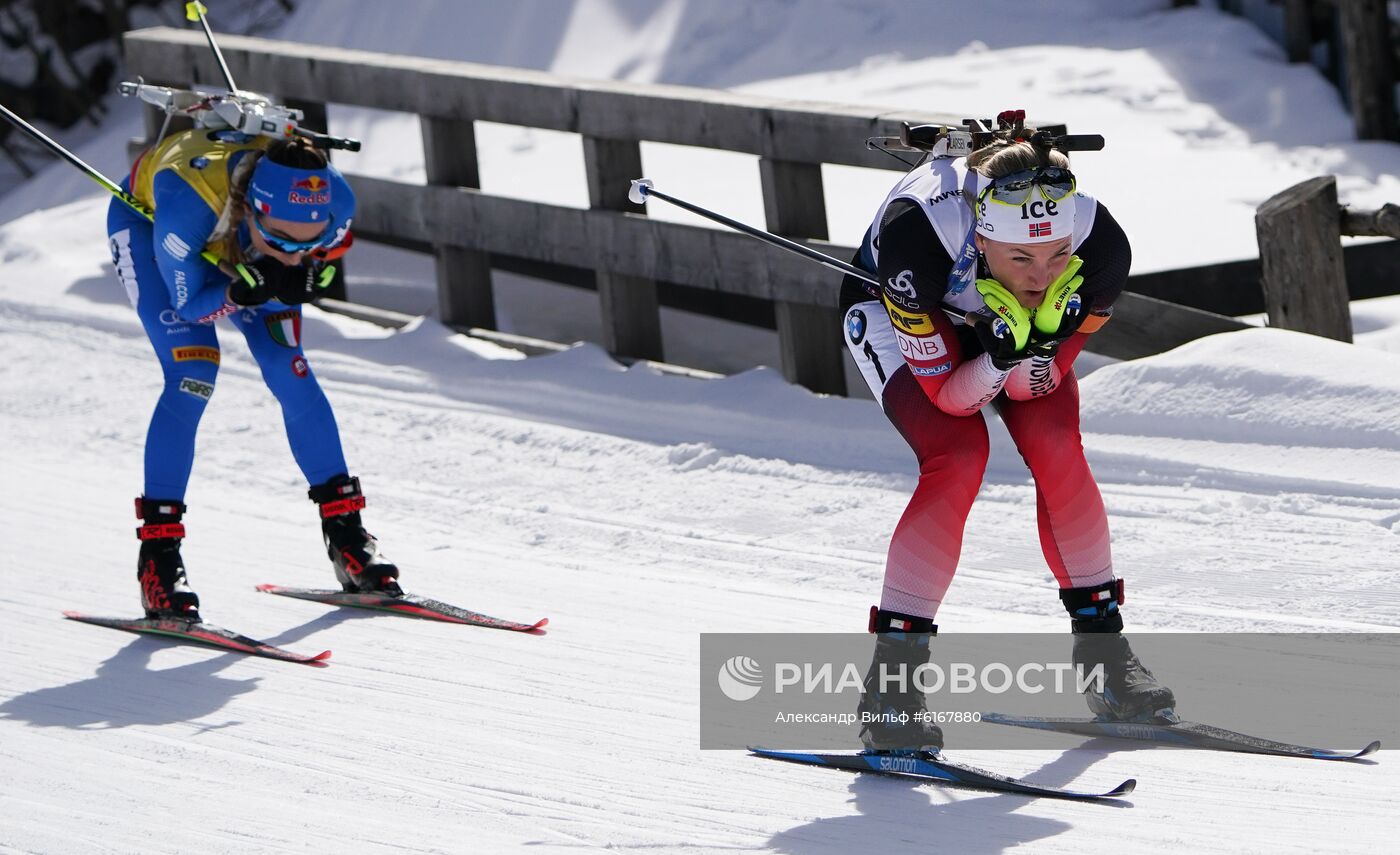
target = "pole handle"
x: 637, y: 195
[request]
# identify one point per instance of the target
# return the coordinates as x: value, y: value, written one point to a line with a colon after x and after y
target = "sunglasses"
x: 285, y: 244
x: 1054, y: 182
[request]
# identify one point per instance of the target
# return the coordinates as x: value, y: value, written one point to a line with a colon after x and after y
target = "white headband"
x: 1039, y: 220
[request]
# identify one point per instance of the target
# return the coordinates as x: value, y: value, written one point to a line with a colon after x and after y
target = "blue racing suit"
x: 179, y: 295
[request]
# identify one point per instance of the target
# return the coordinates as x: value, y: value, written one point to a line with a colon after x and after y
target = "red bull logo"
x: 313, y: 183
x: 311, y: 190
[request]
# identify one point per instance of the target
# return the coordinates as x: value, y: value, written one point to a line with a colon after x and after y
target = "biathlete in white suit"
x: 1006, y: 234
x: 275, y: 211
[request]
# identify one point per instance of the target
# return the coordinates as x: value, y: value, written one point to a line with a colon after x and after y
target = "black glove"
x: 998, y: 341
x: 269, y: 279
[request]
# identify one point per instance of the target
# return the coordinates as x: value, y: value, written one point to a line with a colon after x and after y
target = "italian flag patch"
x: 285, y: 328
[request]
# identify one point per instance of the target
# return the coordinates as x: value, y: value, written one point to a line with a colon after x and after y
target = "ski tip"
x: 268, y: 589
x: 1123, y: 789
x: 72, y: 615
x: 540, y: 624
x: 319, y: 659
x: 1369, y: 749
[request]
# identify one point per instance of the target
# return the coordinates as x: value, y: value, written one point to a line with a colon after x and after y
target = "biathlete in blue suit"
x: 274, y: 211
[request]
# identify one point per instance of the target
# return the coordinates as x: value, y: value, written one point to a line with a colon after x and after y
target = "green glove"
x: 1050, y: 313
x: 1004, y: 305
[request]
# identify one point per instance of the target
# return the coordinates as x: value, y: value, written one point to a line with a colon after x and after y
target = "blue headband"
x: 288, y: 193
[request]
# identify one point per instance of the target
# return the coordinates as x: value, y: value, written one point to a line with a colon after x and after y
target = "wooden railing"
x: 1304, y: 274
x: 628, y: 255
x: 1360, y: 51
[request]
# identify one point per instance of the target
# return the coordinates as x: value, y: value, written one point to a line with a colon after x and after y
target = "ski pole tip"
x: 638, y: 193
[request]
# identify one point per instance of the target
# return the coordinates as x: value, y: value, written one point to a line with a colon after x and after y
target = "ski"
x: 202, y: 633
x: 408, y: 604
x: 929, y: 767
x: 1185, y: 733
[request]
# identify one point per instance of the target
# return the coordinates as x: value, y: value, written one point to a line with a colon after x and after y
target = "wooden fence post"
x: 631, y: 311
x: 463, y: 275
x: 1300, y: 250
x: 1370, y: 67
x: 1297, y: 30
x: 315, y: 117
x: 794, y: 206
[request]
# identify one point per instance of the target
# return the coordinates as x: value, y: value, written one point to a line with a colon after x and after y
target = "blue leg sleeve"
x: 188, y: 354
x: 274, y: 337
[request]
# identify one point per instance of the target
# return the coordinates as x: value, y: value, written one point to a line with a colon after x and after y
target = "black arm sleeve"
x: 1107, y: 257
x: 914, y: 266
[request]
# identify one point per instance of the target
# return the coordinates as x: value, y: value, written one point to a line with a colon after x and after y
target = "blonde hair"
x: 225, y: 234
x: 1003, y: 157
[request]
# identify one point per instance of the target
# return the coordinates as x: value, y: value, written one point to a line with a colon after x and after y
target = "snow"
x: 1250, y: 480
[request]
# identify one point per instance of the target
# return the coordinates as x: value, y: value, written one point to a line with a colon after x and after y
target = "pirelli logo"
x: 911, y: 322
x: 196, y: 354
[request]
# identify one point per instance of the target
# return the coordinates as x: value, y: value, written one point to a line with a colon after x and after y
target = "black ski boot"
x: 1130, y: 692
x: 895, y: 721
x: 354, y: 551
x: 165, y: 592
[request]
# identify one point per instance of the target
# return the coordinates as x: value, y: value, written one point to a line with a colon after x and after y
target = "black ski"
x: 202, y: 633
x: 1190, y: 734
x: 930, y: 767
x: 407, y: 604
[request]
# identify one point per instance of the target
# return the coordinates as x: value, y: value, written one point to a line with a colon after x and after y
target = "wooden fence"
x: 1304, y: 275
x: 627, y: 254
x: 1360, y: 48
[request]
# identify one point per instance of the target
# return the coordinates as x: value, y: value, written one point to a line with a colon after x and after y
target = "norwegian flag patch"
x: 1040, y: 229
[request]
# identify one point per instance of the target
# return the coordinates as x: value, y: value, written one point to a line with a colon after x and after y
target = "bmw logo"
x: 199, y: 162
x: 855, y: 326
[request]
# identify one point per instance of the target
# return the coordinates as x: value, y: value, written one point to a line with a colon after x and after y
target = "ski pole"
x: 643, y: 188
x: 195, y: 12
x: 108, y: 184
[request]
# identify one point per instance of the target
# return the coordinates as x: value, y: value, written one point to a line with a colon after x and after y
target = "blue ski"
x: 930, y: 767
x: 1189, y: 734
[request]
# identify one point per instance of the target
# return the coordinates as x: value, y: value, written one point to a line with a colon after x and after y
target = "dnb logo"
x: 740, y: 678
x: 855, y: 326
